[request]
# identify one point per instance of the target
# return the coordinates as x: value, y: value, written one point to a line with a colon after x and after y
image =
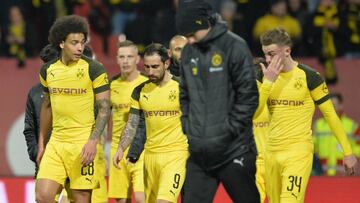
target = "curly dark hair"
x: 65, y: 26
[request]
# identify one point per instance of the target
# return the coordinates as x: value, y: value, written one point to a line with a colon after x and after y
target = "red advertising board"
x: 320, y: 190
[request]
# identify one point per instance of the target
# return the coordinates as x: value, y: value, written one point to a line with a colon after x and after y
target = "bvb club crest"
x: 325, y: 88
x: 298, y: 83
x: 172, y: 95
x: 216, y: 60
x: 80, y: 73
x: 194, y: 70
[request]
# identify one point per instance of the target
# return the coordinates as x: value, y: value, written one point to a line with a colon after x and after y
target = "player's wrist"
x: 93, y: 141
x: 268, y: 80
x: 121, y: 148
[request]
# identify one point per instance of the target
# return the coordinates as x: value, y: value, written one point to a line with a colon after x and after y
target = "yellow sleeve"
x: 99, y: 77
x: 135, y: 107
x: 42, y: 77
x: 264, y: 92
x: 328, y: 111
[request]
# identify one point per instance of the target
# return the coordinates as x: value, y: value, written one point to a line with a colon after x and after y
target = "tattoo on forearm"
x: 129, y: 132
x: 102, y: 118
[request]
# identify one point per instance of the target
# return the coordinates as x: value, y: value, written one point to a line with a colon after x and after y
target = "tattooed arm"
x: 103, y: 105
x: 126, y: 137
x: 129, y: 132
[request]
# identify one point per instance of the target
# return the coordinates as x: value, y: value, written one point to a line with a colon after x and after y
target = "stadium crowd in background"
x: 216, y: 92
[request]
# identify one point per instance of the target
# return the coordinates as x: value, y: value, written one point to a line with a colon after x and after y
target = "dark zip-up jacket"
x: 174, y: 68
x: 32, y: 120
x: 218, y: 97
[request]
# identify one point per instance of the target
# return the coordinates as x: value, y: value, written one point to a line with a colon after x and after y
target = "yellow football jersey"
x: 292, y: 104
x: 161, y: 108
x: 120, y: 95
x: 72, y: 92
x: 261, y: 130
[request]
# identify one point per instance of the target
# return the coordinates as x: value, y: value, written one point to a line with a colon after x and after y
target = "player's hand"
x: 350, y: 162
x: 117, y: 157
x: 274, y: 68
x: 88, y: 152
x: 39, y: 155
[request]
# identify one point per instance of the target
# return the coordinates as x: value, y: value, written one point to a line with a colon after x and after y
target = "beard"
x: 155, y: 79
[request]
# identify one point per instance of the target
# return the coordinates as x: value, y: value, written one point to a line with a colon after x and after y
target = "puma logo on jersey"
x: 294, y: 195
x: 172, y: 192
x: 237, y: 161
x: 145, y: 97
x: 88, y: 179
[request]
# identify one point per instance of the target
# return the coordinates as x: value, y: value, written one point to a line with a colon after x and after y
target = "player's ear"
x: 62, y: 44
x: 138, y: 58
x: 167, y: 64
x: 287, y: 51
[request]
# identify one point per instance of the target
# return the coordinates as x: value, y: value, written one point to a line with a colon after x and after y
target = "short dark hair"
x: 257, y: 66
x: 156, y: 48
x: 276, y: 36
x: 48, y: 53
x: 65, y: 26
x: 88, y: 51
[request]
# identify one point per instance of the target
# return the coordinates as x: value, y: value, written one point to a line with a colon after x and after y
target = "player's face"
x: 176, y: 46
x: 155, y: 68
x: 274, y: 50
x: 73, y: 47
x: 197, y: 36
x: 127, y: 59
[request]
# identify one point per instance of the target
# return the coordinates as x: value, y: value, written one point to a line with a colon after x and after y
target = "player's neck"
x: 130, y: 76
x: 66, y: 61
x: 166, y: 79
x: 289, y: 64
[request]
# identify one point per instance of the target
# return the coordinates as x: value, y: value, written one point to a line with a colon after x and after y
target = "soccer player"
x: 166, y: 147
x: 32, y: 116
x: 122, y: 183
x: 176, y: 45
x: 218, y: 96
x: 31, y: 130
x: 291, y: 90
x: 73, y: 84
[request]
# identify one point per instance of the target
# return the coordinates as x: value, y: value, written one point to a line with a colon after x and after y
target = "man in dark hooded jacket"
x: 218, y: 97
